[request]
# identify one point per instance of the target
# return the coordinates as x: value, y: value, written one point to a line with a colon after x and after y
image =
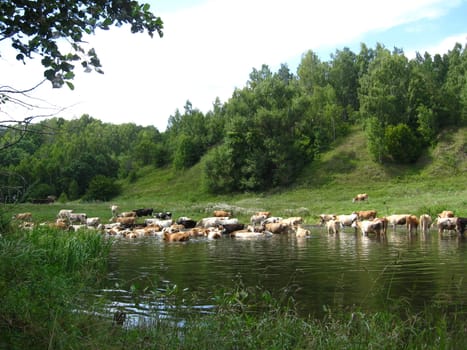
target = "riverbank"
x: 44, y: 273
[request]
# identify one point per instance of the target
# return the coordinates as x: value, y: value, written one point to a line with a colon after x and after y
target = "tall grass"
x: 252, y: 318
x: 43, y: 274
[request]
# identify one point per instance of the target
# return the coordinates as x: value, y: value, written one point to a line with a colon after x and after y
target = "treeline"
x: 262, y: 137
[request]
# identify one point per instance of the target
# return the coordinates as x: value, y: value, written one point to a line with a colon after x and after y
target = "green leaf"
x: 70, y: 85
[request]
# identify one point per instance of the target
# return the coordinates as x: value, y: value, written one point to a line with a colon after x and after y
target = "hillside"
x: 349, y: 162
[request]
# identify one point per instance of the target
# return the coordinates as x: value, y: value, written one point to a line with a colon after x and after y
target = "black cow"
x: 144, y: 212
x: 186, y: 222
x: 229, y: 228
x: 460, y: 225
x: 164, y: 215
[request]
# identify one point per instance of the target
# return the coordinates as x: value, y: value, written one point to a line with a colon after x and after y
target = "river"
x: 319, y: 271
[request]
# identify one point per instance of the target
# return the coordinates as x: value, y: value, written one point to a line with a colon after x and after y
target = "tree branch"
x: 10, y: 90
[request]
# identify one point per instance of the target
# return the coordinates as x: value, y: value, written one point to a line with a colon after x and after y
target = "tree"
x: 312, y: 72
x: 344, y: 79
x: 186, y: 135
x: 383, y: 90
x: 37, y: 27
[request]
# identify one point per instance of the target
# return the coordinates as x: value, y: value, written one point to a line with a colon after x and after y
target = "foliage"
x: 39, y: 191
x: 402, y: 145
x: 38, y: 28
x: 419, y: 94
x: 219, y: 172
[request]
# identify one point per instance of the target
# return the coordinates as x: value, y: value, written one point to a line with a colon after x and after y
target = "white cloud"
x: 210, y: 48
x: 442, y: 47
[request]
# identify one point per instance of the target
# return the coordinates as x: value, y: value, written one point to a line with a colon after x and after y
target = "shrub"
x: 102, y: 188
x: 402, y: 145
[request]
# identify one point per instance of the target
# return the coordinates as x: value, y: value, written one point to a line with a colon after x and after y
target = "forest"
x: 261, y: 138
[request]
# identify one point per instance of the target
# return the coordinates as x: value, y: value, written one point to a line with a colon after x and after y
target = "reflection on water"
x: 322, y: 269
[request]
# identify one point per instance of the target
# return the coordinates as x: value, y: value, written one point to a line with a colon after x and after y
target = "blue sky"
x: 211, y: 46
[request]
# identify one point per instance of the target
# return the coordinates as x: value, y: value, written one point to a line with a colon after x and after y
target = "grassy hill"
x: 437, y: 181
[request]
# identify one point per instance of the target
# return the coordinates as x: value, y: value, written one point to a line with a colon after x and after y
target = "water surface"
x: 321, y: 270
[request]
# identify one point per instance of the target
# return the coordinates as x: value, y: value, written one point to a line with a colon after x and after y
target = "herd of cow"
x: 368, y: 223
x: 146, y: 222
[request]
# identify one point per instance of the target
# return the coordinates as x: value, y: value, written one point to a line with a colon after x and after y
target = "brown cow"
x: 222, y: 213
x: 292, y: 221
x: 60, y: 224
x: 412, y: 223
x: 301, y: 232
x: 366, y: 214
x: 360, y: 197
x: 23, y: 216
x: 176, y: 237
x: 276, y: 227
x: 446, y: 214
x: 127, y: 220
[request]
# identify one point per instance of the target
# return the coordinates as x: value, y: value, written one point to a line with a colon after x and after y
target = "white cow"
x: 64, y: 213
x: 257, y: 219
x: 397, y: 219
x: 159, y: 222
x: 448, y: 223
x: 347, y: 220
x: 79, y: 218
x: 115, y: 209
x: 374, y: 226
x: 425, y: 222
x: 333, y: 226
x: 212, y: 221
x: 324, y: 218
x: 93, y: 222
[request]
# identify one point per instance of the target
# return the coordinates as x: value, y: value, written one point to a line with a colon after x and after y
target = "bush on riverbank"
x: 44, y: 275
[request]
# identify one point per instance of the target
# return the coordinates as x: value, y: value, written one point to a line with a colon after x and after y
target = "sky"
x: 210, y: 47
